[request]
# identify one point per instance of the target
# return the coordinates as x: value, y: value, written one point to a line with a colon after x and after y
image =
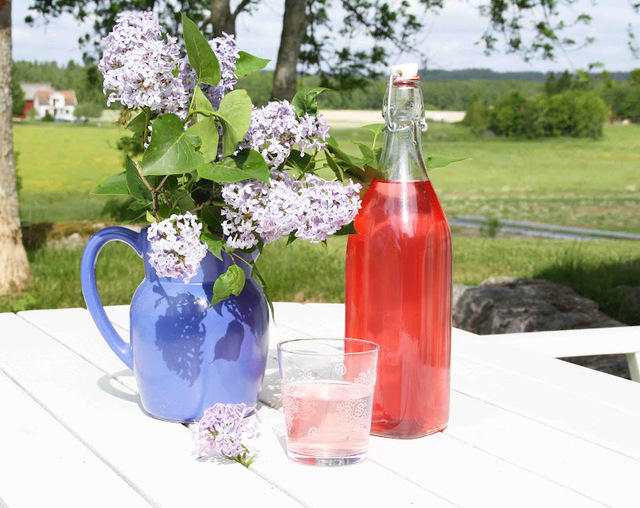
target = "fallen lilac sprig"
x: 225, y: 427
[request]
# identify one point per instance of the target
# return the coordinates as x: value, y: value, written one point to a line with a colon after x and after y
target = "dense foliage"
x: 17, y: 98
x: 575, y: 113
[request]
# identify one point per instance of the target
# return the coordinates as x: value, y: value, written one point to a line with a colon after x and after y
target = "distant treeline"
x: 488, y: 74
x: 570, y: 105
x: 442, y: 90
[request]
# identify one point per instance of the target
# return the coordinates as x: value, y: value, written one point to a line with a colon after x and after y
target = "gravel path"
x: 348, y: 119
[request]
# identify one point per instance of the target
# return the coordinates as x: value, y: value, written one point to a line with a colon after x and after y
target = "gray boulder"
x: 511, y: 305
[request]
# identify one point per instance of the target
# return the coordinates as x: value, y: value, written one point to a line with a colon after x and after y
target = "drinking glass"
x: 327, y: 394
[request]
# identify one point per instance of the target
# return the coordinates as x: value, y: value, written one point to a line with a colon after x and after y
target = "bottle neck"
x: 401, y: 159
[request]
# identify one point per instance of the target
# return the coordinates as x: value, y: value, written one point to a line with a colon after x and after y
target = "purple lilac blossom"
x: 176, y: 249
x: 138, y: 65
x: 275, y: 129
x: 270, y: 210
x: 315, y: 207
x: 328, y: 207
x: 225, y: 427
x: 227, y: 53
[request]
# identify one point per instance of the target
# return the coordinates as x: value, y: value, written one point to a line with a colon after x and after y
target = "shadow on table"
x: 110, y: 385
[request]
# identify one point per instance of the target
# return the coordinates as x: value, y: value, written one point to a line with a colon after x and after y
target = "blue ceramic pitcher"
x: 185, y: 356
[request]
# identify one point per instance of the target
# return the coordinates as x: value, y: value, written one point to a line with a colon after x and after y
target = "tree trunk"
x: 14, y: 267
x: 294, y: 27
x: 222, y: 18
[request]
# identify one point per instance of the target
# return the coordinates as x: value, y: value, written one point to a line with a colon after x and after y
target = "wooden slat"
x: 155, y: 457
x: 563, y: 343
x: 469, y: 416
x: 41, y: 461
x: 590, y: 416
x: 300, y: 482
x: 491, y: 470
x: 589, y: 385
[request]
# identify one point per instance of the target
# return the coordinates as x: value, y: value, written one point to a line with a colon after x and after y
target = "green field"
x: 565, y: 181
x: 304, y: 272
x: 560, y: 181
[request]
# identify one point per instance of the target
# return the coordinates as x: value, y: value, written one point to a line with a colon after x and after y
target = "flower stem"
x: 154, y: 192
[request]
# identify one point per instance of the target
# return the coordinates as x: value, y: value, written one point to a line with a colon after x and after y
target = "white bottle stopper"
x: 406, y: 71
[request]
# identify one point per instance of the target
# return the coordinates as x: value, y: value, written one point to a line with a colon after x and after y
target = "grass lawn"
x: 561, y: 181
x: 574, y: 182
x: 304, y: 272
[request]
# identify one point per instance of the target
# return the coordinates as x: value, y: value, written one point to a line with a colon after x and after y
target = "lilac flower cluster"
x: 313, y: 207
x: 275, y: 129
x: 226, y: 427
x: 138, y: 65
x: 227, y: 53
x: 176, y: 249
x: 328, y: 207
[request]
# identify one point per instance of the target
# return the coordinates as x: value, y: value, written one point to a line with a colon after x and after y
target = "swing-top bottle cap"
x: 405, y: 71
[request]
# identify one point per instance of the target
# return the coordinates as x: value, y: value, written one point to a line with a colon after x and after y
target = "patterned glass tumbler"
x: 327, y: 394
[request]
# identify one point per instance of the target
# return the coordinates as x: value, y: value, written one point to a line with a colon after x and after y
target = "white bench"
x: 566, y: 343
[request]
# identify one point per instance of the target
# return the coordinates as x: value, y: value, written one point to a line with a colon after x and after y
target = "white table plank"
x: 298, y: 481
x: 582, y: 402
x: 563, y: 343
x: 367, y: 484
x: 155, y: 457
x: 41, y: 462
x: 491, y: 470
x: 549, y: 452
x: 518, y: 447
x: 579, y: 381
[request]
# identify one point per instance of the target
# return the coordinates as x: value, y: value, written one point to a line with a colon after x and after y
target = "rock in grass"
x: 512, y: 305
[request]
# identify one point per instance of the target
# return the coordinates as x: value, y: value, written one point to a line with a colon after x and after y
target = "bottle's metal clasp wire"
x: 391, y: 125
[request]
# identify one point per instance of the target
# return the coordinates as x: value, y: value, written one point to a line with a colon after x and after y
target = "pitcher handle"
x: 90, y: 288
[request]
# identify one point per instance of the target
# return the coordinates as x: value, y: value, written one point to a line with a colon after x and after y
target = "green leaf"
x: 229, y: 283
x: 185, y: 204
x: 150, y: 217
x: 438, y: 161
x: 235, y: 115
x: 136, y: 186
x: 172, y: 151
x: 139, y: 122
x: 347, y: 229
x: 207, y: 131
x: 305, y: 101
x: 366, y: 151
x: 214, y: 244
x: 334, y: 167
x: 201, y: 102
x: 135, y: 211
x: 333, y: 147
x: 211, y: 215
x: 299, y: 160
x: 376, y: 128
x: 113, y: 186
x: 247, y: 64
x: 247, y: 164
x: 292, y: 238
x: 201, y: 56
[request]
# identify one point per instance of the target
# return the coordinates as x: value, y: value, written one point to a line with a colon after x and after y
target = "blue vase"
x: 185, y: 356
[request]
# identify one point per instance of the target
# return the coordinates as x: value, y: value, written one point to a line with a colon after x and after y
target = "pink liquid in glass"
x: 328, y: 420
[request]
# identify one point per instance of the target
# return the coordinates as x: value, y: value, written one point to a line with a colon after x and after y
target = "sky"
x: 448, y: 39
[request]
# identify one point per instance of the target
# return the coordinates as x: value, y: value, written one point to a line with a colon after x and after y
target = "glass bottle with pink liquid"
x: 399, y: 275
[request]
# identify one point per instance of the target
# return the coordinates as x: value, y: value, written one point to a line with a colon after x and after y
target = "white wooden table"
x: 526, y: 430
